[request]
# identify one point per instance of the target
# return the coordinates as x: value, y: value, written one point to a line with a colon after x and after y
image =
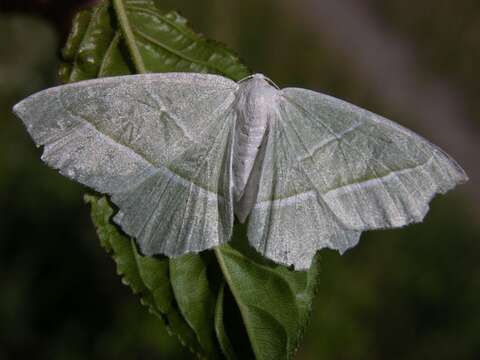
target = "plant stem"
x: 129, y: 37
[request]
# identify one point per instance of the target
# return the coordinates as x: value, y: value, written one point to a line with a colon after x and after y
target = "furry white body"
x: 256, y: 108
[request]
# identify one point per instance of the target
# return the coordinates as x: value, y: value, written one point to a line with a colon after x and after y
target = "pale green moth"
x: 181, y: 153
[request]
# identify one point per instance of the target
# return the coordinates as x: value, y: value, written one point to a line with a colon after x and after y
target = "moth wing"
x: 289, y: 221
x: 337, y: 170
x: 160, y: 144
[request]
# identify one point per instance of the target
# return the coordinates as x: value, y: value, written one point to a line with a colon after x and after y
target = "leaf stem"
x: 228, y: 279
x: 129, y: 37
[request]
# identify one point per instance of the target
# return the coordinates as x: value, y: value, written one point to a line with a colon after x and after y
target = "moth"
x: 182, y: 154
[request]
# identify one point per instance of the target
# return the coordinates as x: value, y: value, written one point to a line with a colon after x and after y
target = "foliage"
x: 224, y: 303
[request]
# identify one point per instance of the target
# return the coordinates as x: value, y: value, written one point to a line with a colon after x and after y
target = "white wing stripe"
x: 332, y: 194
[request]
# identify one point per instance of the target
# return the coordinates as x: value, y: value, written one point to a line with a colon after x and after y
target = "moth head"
x: 258, y: 79
x: 256, y: 96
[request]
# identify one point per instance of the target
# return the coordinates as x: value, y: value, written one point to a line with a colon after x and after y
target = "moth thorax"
x: 256, y: 104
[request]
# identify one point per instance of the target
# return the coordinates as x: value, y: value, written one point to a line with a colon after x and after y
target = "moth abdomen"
x: 255, y: 107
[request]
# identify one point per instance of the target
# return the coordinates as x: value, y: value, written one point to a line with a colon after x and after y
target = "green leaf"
x: 190, y: 283
x: 275, y: 302
x: 148, y: 277
x: 216, y: 301
x: 160, y: 41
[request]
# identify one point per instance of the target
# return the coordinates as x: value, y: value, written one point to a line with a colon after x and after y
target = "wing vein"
x: 367, y: 161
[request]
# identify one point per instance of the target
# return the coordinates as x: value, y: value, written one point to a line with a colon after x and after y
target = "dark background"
x: 410, y: 293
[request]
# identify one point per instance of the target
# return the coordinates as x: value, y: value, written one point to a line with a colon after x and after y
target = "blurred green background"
x: 411, y: 293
